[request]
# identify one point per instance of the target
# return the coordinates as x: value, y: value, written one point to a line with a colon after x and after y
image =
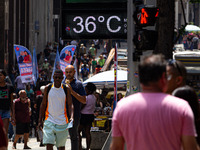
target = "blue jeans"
x: 74, y: 135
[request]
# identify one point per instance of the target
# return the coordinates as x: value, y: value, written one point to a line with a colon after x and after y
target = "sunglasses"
x: 58, y: 78
x: 173, y: 62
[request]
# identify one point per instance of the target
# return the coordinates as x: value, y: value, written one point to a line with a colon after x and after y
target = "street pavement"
x: 35, y: 145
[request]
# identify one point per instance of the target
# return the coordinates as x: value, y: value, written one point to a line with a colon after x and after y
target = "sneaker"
x: 41, y: 144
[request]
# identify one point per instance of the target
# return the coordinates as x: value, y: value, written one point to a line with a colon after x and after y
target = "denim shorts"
x: 54, y: 134
x: 5, y: 114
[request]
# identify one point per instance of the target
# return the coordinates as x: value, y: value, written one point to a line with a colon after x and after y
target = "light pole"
x: 132, y: 82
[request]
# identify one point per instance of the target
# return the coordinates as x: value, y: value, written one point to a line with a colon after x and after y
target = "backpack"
x: 85, y: 72
x: 65, y: 90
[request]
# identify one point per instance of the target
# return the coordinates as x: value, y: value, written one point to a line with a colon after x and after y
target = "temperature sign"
x: 87, y: 25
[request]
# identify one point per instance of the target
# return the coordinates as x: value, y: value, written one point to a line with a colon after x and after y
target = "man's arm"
x: 70, y: 105
x: 13, y: 115
x: 117, y: 143
x: 29, y: 106
x: 43, y: 108
x: 189, y: 143
x: 80, y: 98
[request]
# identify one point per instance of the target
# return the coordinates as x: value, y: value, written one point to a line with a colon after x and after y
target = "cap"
x: 45, y: 59
x: 92, y: 44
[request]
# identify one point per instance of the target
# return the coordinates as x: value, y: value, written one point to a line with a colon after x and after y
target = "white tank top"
x: 56, y: 111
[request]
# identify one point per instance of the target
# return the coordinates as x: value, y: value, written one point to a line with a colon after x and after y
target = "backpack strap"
x: 49, y: 88
x: 65, y: 90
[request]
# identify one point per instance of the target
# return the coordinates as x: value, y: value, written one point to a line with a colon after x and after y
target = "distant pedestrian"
x: 37, y: 104
x: 85, y: 72
x: 82, y: 50
x: 52, y: 57
x: 6, y: 100
x: 46, y: 52
x: 78, y: 98
x: 87, y: 115
x: 101, y: 61
x: 57, y: 109
x: 21, y: 115
x: 195, y: 41
x: 92, y: 49
x: 152, y: 119
x: 94, y: 64
x: 19, y: 85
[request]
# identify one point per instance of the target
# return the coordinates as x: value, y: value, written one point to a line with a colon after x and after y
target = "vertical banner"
x: 115, y: 76
x: 66, y: 56
x: 56, y: 64
x: 35, y: 68
x: 24, y: 60
x: 75, y: 67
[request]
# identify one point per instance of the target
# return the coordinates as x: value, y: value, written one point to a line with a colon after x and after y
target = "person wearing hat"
x: 101, y: 61
x: 92, y: 49
x: 82, y: 49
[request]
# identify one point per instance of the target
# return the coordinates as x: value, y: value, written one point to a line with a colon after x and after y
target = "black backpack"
x: 85, y: 72
x: 65, y: 90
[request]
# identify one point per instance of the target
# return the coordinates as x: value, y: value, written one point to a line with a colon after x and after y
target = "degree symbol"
x: 101, y: 18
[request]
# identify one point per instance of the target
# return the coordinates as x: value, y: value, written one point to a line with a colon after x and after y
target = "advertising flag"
x: 66, y: 56
x: 24, y: 60
x: 35, y: 67
x: 56, y: 64
x: 115, y: 76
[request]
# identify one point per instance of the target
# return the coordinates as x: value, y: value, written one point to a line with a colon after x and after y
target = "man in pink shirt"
x: 153, y: 120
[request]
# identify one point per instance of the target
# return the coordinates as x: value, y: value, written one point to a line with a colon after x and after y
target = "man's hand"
x: 40, y: 125
x: 13, y: 121
x: 69, y: 87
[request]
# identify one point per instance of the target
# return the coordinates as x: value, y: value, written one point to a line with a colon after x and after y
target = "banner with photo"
x: 24, y: 60
x: 66, y: 56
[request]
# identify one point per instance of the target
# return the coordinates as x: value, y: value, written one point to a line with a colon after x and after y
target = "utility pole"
x: 133, y: 82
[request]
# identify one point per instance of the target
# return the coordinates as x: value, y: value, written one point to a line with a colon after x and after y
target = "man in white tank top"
x: 56, y: 113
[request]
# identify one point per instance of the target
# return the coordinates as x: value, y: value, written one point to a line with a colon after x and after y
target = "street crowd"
x: 21, y: 115
x: 165, y: 115
x: 191, y: 41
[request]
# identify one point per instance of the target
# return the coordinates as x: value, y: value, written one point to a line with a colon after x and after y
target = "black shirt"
x: 77, y: 86
x: 5, y: 97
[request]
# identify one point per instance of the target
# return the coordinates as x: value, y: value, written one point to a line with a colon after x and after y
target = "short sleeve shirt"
x: 5, y: 97
x: 153, y: 121
x: 20, y: 85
